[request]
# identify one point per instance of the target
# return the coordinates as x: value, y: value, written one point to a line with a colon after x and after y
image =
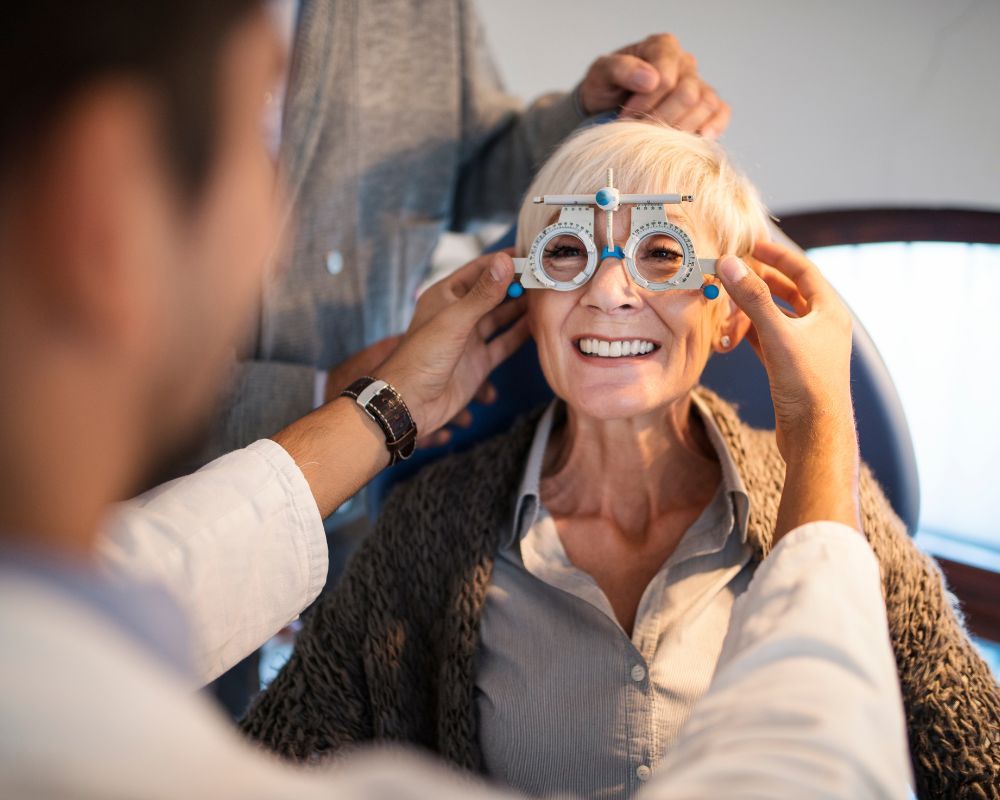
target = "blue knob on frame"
x: 515, y: 290
x: 711, y: 291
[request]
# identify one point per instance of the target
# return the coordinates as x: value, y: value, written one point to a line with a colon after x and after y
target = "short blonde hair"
x: 650, y: 158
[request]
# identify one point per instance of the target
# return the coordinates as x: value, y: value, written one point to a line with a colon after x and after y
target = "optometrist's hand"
x: 432, y: 302
x: 807, y: 355
x: 656, y: 79
x: 459, y: 334
x: 435, y: 298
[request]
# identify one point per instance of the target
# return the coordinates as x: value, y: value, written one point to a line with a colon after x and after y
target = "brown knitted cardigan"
x: 390, y: 653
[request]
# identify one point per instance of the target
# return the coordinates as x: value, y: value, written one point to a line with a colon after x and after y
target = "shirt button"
x: 334, y: 262
x: 638, y: 673
x: 642, y: 772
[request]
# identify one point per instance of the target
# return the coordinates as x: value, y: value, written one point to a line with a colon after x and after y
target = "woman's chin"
x: 610, y: 403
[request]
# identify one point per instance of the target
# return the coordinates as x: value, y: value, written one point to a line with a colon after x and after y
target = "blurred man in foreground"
x: 134, y: 193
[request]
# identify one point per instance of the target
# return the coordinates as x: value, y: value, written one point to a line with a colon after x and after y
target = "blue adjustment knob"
x: 604, y: 198
x: 515, y: 290
x: 711, y: 291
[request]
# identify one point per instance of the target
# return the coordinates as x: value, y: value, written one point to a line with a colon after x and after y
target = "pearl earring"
x: 725, y: 341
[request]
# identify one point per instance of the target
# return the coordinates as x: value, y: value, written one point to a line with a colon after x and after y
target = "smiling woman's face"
x: 612, y: 349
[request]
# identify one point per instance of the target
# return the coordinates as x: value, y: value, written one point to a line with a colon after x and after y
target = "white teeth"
x: 617, y: 349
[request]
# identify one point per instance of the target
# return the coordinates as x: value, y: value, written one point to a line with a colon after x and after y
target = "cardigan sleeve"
x: 503, y: 143
x: 952, y: 700
x: 319, y: 702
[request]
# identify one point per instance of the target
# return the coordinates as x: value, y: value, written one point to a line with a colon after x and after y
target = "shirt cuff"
x: 302, y: 505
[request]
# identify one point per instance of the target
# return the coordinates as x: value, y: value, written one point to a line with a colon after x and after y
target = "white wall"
x: 834, y: 103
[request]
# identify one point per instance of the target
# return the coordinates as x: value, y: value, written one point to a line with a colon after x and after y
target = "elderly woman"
x: 547, y: 607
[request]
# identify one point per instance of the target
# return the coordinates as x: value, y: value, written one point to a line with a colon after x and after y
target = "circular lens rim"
x: 563, y: 228
x: 688, y: 265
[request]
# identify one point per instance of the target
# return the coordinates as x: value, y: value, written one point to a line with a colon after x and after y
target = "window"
x: 926, y: 284
x: 929, y: 306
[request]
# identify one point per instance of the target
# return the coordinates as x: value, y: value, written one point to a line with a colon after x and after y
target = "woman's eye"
x: 563, y: 257
x: 664, y: 254
x: 562, y: 252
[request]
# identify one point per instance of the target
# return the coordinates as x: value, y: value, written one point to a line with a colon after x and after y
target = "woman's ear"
x: 734, y: 324
x: 734, y: 327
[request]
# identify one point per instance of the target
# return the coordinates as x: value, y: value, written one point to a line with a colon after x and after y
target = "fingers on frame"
x: 784, y: 288
x: 806, y: 276
x: 465, y: 277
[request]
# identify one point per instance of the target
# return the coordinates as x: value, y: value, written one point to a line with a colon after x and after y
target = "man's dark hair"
x: 51, y: 50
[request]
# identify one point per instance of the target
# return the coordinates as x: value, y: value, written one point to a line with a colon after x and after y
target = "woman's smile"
x: 606, y: 351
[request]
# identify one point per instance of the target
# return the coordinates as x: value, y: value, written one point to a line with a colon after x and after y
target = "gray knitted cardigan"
x: 390, y: 653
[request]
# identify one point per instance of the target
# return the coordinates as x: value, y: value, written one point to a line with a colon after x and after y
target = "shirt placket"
x: 641, y: 698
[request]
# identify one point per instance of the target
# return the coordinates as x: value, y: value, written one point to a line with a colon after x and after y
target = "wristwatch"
x: 384, y: 405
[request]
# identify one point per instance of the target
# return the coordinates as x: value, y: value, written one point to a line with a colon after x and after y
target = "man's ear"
x: 92, y: 202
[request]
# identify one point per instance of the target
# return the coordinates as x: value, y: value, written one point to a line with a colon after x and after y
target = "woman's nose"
x: 611, y: 289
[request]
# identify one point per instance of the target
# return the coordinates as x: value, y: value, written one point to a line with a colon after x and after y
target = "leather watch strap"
x: 383, y: 404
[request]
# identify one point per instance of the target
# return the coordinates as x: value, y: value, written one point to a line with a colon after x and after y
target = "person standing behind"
x: 392, y: 127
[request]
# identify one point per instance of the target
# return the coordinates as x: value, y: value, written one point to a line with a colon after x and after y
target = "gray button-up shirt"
x: 566, y: 700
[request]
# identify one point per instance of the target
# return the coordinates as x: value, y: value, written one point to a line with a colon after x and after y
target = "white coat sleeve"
x: 239, y: 544
x: 805, y: 701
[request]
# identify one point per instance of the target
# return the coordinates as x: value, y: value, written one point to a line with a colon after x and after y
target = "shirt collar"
x: 526, y: 507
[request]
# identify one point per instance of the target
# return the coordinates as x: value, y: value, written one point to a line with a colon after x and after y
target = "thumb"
x: 486, y: 293
x: 623, y: 71
x: 749, y: 292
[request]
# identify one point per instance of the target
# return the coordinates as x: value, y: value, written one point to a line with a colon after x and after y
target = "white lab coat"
x: 805, y: 701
